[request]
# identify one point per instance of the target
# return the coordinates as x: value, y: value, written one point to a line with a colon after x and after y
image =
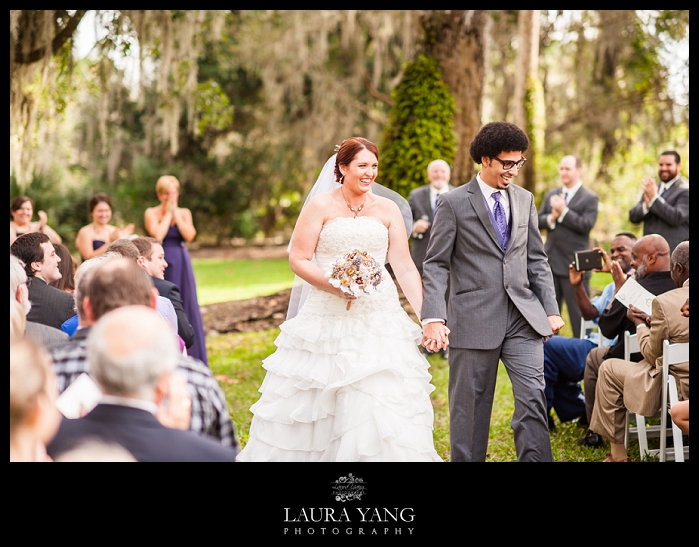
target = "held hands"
x: 435, y: 336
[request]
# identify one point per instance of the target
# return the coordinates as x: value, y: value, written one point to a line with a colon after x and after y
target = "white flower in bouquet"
x: 356, y: 273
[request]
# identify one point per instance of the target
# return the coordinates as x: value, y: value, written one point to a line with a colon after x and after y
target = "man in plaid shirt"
x: 99, y: 292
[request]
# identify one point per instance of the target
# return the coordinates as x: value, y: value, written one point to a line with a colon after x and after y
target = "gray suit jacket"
x: 419, y: 200
x: 45, y: 334
x: 668, y: 216
x: 50, y: 306
x: 573, y: 234
x: 464, y: 250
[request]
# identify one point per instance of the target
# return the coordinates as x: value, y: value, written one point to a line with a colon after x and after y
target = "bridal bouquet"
x: 356, y: 273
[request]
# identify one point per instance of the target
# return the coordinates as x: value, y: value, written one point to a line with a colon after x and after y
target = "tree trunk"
x: 456, y: 38
x: 528, y: 98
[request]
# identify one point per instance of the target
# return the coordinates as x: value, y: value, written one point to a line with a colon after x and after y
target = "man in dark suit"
x: 19, y: 292
x: 152, y: 259
x: 664, y: 206
x: 133, y: 353
x: 423, y: 201
x: 50, y: 306
x: 486, y: 245
x: 567, y: 214
x: 651, y: 263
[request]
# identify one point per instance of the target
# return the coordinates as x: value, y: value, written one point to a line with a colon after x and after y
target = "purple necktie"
x: 500, y: 221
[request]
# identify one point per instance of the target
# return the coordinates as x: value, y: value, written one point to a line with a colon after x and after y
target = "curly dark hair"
x: 496, y: 137
x: 349, y: 149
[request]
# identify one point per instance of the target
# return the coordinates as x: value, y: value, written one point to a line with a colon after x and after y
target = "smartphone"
x: 588, y: 260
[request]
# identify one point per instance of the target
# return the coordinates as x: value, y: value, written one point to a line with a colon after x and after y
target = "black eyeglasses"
x: 509, y: 164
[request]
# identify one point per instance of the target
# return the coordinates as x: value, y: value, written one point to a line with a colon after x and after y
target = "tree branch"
x: 56, y: 44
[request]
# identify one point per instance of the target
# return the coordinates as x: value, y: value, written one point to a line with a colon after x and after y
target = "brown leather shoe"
x: 610, y: 459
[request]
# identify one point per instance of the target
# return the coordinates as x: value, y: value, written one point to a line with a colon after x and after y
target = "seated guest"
x: 623, y: 385
x: 19, y: 294
x: 67, y: 268
x: 152, y: 259
x: 50, y: 306
x: 133, y: 353
x: 166, y: 305
x: 680, y: 410
x: 651, y: 265
x: 116, y: 282
x: 564, y: 357
x: 34, y: 418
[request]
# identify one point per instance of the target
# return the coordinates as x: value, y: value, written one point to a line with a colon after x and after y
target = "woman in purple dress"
x: 174, y: 226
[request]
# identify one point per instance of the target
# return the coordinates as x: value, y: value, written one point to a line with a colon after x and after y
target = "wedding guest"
x: 21, y: 213
x: 347, y: 381
x: 623, y: 385
x: 133, y: 355
x: 67, y: 268
x: 152, y: 259
x: 423, y: 202
x: 174, y: 227
x: 93, y: 239
x: 651, y: 265
x: 664, y: 206
x: 34, y: 418
x: 487, y: 248
x: 564, y: 357
x: 19, y: 294
x: 50, y: 306
x: 115, y: 282
x: 567, y: 214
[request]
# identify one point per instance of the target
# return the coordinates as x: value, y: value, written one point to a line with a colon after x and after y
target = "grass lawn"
x: 226, y: 280
x: 236, y: 360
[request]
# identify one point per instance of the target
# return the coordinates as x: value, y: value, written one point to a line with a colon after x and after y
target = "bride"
x: 347, y: 381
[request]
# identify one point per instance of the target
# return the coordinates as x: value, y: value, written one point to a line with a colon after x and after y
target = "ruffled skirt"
x: 345, y: 385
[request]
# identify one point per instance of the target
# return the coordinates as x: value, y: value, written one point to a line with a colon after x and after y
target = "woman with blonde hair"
x: 174, y: 226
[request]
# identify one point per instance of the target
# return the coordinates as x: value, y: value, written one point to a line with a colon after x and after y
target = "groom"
x: 486, y: 246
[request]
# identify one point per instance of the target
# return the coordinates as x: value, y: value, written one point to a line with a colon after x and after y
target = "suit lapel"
x: 479, y: 205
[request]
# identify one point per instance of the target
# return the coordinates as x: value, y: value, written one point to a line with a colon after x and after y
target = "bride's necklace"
x: 355, y: 210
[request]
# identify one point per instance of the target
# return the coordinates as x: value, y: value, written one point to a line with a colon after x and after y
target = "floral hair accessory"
x: 356, y: 273
x: 338, y: 146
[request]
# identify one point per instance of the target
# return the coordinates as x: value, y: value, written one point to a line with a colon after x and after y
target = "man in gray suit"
x: 664, y: 206
x: 567, y: 214
x: 501, y: 305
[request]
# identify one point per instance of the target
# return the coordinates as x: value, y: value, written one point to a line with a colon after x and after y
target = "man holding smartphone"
x: 567, y: 215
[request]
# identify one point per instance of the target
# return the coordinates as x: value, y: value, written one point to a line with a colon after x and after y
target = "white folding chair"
x: 676, y: 353
x: 632, y: 432
x: 673, y: 354
x: 588, y: 326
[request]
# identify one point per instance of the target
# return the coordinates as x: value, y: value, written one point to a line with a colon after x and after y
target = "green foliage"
x: 420, y: 127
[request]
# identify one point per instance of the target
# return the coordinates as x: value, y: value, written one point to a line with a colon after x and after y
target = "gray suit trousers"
x: 472, y: 378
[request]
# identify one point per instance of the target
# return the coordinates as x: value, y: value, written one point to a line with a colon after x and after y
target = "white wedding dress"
x: 346, y: 385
